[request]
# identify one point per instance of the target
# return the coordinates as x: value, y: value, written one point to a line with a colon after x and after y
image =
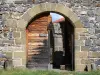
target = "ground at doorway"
x: 44, y: 72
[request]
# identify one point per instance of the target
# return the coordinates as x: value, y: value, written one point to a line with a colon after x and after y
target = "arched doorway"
x: 50, y: 43
x: 63, y: 10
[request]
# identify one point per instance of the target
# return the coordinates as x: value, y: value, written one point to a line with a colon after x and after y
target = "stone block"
x: 84, y: 34
x: 92, y: 25
x: 58, y: 41
x: 76, y: 36
x: 91, y: 19
x: 77, y: 48
x: 80, y: 67
x: 18, y: 41
x: 97, y: 42
x: 18, y: 48
x: 61, y: 48
x: 18, y: 29
x: 1, y: 41
x: 83, y: 12
x: 99, y: 48
x: 37, y: 9
x: 86, y: 3
x: 22, y: 23
x: 90, y: 13
x: 81, y: 30
x: 5, y: 35
x: 10, y: 35
x: 88, y: 42
x: 13, y: 29
x: 73, y: 18
x: 17, y: 62
x: 1, y: 28
x: 27, y: 17
x: 43, y: 1
x: 84, y: 18
x: 20, y: 9
x: 94, y: 48
x: 31, y: 13
x: 16, y: 15
x: 98, y: 67
x: 84, y: 48
x: 86, y: 61
x: 48, y: 6
x: 57, y: 48
x: 86, y: 24
x: 97, y: 62
x: 79, y: 43
x: 16, y: 34
x: 23, y: 35
x: 57, y: 36
x: 53, y: 6
x: 19, y: 1
x: 62, y: 67
x: 97, y: 11
x: 19, y: 55
x: 11, y: 23
x: 98, y: 18
x: 50, y: 66
x: 83, y: 37
x: 66, y: 11
x: 8, y: 54
x: 83, y: 54
x: 8, y: 41
x: 97, y: 25
x: 98, y: 36
x: 93, y: 37
x: 23, y: 61
x: 95, y: 55
x: 78, y: 61
x: 43, y: 7
x: 97, y: 31
x: 91, y: 30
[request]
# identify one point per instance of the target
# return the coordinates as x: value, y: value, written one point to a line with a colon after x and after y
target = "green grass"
x: 44, y: 72
x: 88, y: 73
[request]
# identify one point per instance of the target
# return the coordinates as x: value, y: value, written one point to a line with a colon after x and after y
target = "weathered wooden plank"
x: 37, y: 37
x: 38, y: 47
x: 37, y: 31
x: 40, y: 29
x: 36, y: 40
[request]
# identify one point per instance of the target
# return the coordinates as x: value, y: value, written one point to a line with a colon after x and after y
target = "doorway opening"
x: 50, y: 42
x: 62, y: 44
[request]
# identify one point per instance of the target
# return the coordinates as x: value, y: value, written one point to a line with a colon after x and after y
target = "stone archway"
x: 56, y: 7
x: 43, y: 7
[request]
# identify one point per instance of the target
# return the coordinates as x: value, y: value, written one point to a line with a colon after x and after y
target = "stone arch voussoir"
x: 56, y: 7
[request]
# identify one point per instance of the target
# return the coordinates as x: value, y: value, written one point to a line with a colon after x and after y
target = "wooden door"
x: 37, y: 42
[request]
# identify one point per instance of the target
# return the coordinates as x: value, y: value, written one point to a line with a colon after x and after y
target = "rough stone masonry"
x: 11, y: 43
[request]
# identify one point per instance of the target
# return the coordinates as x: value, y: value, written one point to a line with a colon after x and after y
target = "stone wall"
x: 89, y: 16
x: 11, y: 34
